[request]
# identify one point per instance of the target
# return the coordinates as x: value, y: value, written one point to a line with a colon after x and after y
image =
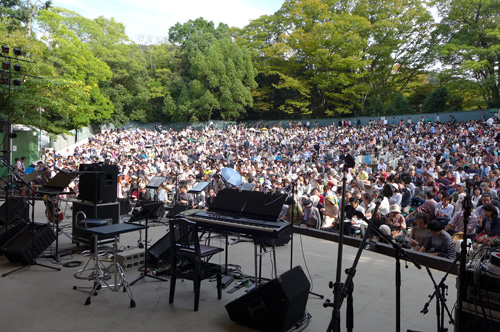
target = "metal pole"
x: 40, y: 135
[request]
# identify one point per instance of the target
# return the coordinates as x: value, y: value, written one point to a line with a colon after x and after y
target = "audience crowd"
x: 426, y: 168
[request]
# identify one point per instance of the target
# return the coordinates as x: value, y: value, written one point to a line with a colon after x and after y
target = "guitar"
x: 52, y: 208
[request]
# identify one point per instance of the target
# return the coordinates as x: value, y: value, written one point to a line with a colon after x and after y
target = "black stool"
x: 86, y: 224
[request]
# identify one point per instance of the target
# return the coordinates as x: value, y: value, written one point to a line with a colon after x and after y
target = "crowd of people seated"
x: 429, y: 166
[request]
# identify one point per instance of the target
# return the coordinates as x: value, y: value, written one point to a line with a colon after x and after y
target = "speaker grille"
x: 275, y: 306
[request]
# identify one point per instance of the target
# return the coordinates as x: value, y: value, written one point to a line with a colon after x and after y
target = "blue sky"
x: 151, y: 19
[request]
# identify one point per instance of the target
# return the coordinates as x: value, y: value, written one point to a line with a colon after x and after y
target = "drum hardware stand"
x: 115, y: 271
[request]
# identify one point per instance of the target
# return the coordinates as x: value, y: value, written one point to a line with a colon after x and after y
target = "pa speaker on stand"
x: 98, y: 183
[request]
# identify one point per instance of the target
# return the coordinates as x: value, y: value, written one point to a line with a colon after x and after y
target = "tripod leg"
x: 350, y: 310
x: 47, y: 266
x: 14, y: 271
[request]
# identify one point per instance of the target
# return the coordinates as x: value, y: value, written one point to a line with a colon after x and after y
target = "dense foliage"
x: 312, y: 58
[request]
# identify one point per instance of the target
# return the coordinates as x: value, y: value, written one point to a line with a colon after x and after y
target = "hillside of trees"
x: 310, y: 59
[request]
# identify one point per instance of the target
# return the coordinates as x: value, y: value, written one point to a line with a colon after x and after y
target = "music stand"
x: 196, y: 190
x: 30, y: 177
x: 155, y: 182
x: 199, y: 187
x: 146, y: 211
x: 54, y: 188
x: 246, y: 186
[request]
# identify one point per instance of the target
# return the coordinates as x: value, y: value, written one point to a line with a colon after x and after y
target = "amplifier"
x: 481, y: 303
x: 109, y: 211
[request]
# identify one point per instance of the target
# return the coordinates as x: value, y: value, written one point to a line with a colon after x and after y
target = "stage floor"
x: 41, y: 299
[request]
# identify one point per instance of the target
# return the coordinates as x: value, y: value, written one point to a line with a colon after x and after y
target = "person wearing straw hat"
x: 330, y: 212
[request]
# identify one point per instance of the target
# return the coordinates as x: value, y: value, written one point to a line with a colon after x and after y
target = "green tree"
x: 215, y: 75
x: 374, y: 106
x: 399, y: 105
x: 400, y: 43
x: 310, y: 53
x: 19, y: 15
x: 71, y: 67
x: 436, y: 101
x: 471, y: 49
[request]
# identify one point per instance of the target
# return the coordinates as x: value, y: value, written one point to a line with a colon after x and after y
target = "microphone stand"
x: 439, y: 291
x: 462, y: 272
x: 398, y: 253
x: 348, y: 287
x: 338, y: 286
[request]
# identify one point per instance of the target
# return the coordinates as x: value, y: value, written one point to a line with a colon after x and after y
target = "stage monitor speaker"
x: 13, y: 228
x: 18, y: 209
x: 160, y: 251
x: 29, y: 244
x: 98, y: 183
x: 275, y: 306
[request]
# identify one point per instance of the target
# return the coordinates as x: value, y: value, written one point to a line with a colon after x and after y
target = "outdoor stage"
x: 40, y: 299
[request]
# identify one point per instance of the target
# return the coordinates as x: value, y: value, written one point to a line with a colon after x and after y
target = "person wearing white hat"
x: 396, y: 197
x: 396, y: 221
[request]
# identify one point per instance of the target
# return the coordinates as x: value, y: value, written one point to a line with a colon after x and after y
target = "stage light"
x: 17, y: 51
x: 5, y: 49
x: 17, y: 67
x: 16, y: 82
x: 5, y: 80
x: 5, y: 65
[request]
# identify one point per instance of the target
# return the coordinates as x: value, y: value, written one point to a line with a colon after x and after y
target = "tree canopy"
x: 311, y: 58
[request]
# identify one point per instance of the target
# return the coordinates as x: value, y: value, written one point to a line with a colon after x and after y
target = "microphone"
x: 351, y: 211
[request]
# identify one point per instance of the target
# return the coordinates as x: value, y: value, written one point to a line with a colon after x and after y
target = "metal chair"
x: 189, y: 259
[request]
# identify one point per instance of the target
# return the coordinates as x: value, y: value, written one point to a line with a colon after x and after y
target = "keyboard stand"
x: 259, y: 243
